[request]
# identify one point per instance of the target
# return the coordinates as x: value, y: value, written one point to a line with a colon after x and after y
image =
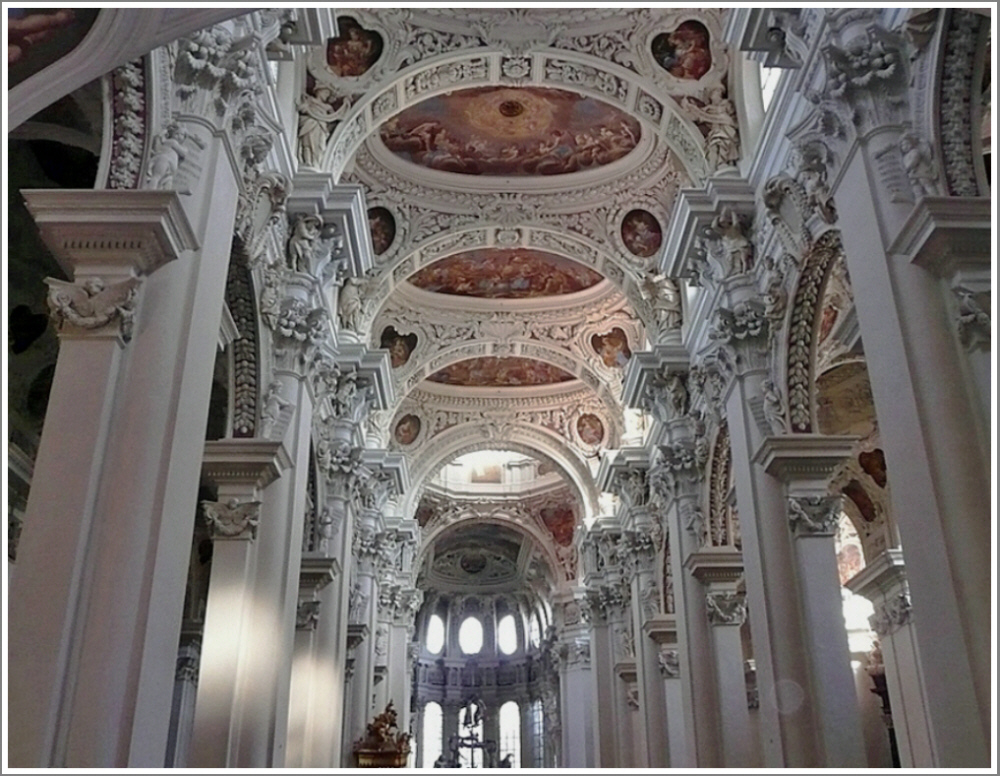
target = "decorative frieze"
x: 233, y: 519
x: 957, y: 90
x: 128, y: 124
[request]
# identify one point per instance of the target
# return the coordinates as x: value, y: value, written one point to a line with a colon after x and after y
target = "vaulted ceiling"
x: 520, y: 168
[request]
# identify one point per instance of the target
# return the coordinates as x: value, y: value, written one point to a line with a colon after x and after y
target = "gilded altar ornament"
x: 384, y: 745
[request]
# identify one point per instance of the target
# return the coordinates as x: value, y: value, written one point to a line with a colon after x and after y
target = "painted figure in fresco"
x: 684, y: 53
x: 590, y: 429
x: 612, y: 348
x: 354, y: 52
x: 407, y: 429
x: 383, y: 229
x: 641, y: 233
x: 25, y: 29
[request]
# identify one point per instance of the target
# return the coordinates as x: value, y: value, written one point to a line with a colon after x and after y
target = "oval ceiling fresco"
x: 504, y: 372
x: 504, y: 273
x: 511, y: 132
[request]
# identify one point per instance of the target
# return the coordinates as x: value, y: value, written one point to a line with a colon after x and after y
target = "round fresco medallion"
x: 354, y: 51
x: 685, y: 52
x: 496, y: 372
x: 590, y: 428
x: 641, y: 233
x: 407, y: 430
x: 400, y: 346
x: 507, y: 131
x: 612, y: 347
x: 383, y: 229
x: 505, y: 273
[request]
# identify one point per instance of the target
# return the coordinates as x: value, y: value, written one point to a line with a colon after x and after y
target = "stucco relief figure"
x: 736, y: 246
x: 317, y: 116
x: 722, y: 135
x: 812, y: 176
x: 168, y: 150
x: 612, y: 348
x: 664, y: 297
x: 354, y: 51
x: 641, y: 233
x: 92, y: 304
x: 685, y: 52
x: 351, y: 305
x: 305, y: 233
x: 918, y: 161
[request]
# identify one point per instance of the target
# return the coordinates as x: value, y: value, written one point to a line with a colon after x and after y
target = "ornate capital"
x: 632, y: 486
x: 575, y: 653
x: 93, y: 305
x: 814, y: 515
x: 891, y: 615
x: 233, y: 519
x: 314, y: 246
x: 726, y: 608
x: 743, y: 333
x: 670, y: 662
x: 974, y: 323
x: 307, y: 615
x: 679, y: 468
x: 666, y: 396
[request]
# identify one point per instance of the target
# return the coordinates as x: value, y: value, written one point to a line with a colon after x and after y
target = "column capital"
x: 307, y: 615
x: 883, y: 576
x: 726, y: 608
x: 669, y: 661
x: 891, y: 614
x: 814, y: 515
x: 233, y: 519
x: 111, y: 233
x: 804, y: 461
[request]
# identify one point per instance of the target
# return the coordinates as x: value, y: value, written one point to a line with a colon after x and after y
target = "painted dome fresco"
x: 517, y: 273
x: 500, y: 372
x: 511, y: 132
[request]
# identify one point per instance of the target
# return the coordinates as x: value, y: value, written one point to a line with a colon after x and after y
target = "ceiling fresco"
x: 685, y: 52
x: 511, y: 132
x: 354, y: 51
x: 516, y: 273
x: 493, y: 372
x: 383, y: 229
x: 561, y: 523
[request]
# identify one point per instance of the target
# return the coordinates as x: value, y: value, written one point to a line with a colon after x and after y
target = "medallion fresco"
x: 612, y: 347
x: 493, y: 372
x: 590, y: 428
x: 400, y: 346
x: 407, y: 429
x: 516, y: 273
x: 560, y: 522
x: 383, y: 229
x: 511, y: 131
x: 354, y: 51
x: 642, y: 233
x: 685, y: 52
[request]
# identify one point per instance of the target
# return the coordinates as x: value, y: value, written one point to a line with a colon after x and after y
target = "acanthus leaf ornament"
x: 233, y: 519
x: 91, y: 304
x: 891, y: 615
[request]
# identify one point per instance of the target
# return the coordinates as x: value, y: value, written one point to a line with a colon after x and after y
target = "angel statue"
x: 232, y: 519
x: 92, y: 304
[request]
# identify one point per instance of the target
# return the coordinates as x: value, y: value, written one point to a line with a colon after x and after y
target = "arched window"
x: 507, y: 635
x: 435, y: 635
x: 470, y: 726
x: 431, y: 737
x: 510, y: 733
x: 470, y: 636
x: 768, y: 83
x: 538, y: 733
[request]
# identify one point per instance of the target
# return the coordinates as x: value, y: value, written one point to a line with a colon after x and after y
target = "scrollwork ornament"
x: 814, y: 515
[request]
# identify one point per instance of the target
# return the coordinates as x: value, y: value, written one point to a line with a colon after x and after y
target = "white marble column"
x: 804, y: 462
x: 239, y: 468
x: 883, y: 582
x: 110, y: 514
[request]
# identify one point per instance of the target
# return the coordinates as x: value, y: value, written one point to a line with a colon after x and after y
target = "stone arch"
x: 555, y: 68
x: 518, y: 437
